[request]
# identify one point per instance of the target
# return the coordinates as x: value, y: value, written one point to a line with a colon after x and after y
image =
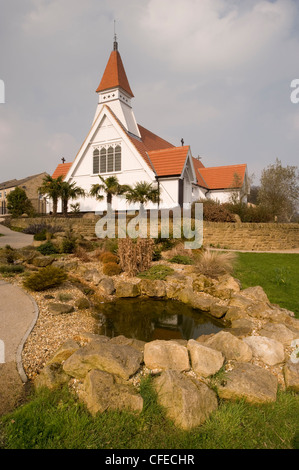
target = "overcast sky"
x: 216, y: 73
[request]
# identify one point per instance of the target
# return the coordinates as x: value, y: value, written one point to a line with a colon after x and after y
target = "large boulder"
x: 153, y: 288
x: 134, y: 343
x: 291, y: 375
x: 118, y: 359
x: 65, y: 351
x: 199, y: 300
x: 127, y: 289
x: 241, y: 327
x: 279, y: 332
x: 228, y: 282
x: 205, y: 361
x: 52, y: 376
x: 230, y: 346
x: 243, y: 323
x: 269, y: 350
x: 92, y: 275
x: 261, y: 311
x: 106, y: 285
x: 201, y: 283
x: 250, y: 382
x: 241, y: 301
x: 101, y: 392
x: 226, y: 287
x: 59, y: 308
x: 187, y: 401
x: 42, y: 261
x: 235, y: 313
x: 203, y: 301
x: 255, y: 293
x: 218, y: 310
x: 160, y: 354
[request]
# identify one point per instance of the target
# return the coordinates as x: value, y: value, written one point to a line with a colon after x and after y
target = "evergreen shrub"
x: 45, y: 278
x: 111, y: 269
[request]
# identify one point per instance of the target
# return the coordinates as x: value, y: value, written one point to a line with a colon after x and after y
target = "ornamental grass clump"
x: 135, y: 255
x: 45, y: 278
x: 215, y: 263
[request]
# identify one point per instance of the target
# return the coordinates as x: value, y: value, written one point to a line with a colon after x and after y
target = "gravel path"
x: 14, y: 239
x: 50, y: 329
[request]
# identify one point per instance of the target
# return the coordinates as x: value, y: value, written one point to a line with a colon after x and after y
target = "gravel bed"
x: 51, y: 330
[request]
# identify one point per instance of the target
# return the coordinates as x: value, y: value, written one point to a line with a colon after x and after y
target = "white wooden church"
x: 117, y: 145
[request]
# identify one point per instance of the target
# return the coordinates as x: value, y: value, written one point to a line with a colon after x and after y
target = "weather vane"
x: 115, y: 45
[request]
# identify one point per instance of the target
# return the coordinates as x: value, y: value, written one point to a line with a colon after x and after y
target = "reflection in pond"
x: 150, y: 319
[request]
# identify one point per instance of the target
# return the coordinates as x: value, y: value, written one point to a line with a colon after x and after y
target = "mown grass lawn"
x: 56, y: 420
x: 278, y: 274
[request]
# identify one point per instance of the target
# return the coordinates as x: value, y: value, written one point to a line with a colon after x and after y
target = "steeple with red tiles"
x: 114, y: 89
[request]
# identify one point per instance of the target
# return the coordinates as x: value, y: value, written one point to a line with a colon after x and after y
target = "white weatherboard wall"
x: 198, y: 193
x: 105, y: 132
x: 169, y: 192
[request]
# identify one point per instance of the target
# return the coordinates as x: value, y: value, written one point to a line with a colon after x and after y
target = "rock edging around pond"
x: 105, y: 374
x: 248, y: 360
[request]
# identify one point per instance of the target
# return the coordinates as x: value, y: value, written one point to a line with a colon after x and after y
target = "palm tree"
x: 52, y: 187
x: 110, y: 186
x: 143, y: 192
x: 69, y: 191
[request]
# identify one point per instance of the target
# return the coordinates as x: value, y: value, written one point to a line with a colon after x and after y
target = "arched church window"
x: 96, y: 154
x: 103, y: 166
x: 118, y: 158
x: 110, y: 160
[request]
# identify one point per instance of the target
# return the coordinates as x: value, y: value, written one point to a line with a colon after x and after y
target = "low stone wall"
x: 236, y: 236
x: 251, y: 236
x: 81, y: 225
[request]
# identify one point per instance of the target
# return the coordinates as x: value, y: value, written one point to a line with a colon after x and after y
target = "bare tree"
x: 279, y: 190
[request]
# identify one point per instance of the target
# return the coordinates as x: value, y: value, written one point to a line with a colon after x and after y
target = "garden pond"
x: 150, y: 319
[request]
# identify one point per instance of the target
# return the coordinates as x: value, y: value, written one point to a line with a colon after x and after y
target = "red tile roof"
x: 222, y: 177
x: 152, y: 141
x: 149, y: 141
x: 197, y: 167
x: 169, y: 161
x: 166, y: 160
x: 61, y: 170
x: 115, y: 75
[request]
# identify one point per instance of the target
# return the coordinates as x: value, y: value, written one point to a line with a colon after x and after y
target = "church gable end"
x: 117, y: 145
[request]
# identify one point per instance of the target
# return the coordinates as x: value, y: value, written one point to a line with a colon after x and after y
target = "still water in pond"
x: 149, y: 319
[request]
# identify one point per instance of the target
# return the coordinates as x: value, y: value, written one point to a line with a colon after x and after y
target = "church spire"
x: 115, y: 75
x: 114, y: 91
